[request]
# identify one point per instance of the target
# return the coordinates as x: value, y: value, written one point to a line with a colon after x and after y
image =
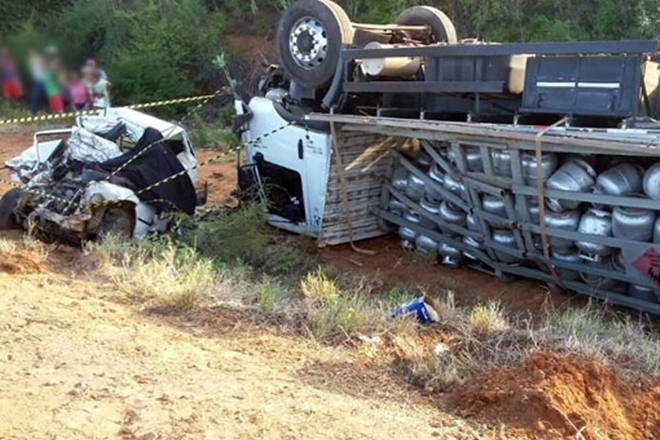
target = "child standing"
x: 78, y: 93
x: 53, y: 92
x: 11, y: 87
x: 99, y: 90
x: 51, y: 82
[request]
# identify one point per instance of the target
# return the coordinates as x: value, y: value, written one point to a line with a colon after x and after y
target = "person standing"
x: 78, y: 93
x: 37, y: 68
x: 53, y: 93
x: 51, y: 81
x: 90, y: 67
x: 11, y: 86
x: 99, y: 90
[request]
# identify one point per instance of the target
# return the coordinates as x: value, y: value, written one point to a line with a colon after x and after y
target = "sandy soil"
x: 78, y: 364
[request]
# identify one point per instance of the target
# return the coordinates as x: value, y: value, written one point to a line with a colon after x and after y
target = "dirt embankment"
x: 79, y: 363
x: 563, y: 397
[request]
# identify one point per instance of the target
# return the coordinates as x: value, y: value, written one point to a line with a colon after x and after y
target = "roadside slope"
x: 77, y: 365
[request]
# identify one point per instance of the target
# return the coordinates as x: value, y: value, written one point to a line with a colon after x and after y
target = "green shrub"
x: 231, y: 235
x: 226, y: 115
x: 395, y: 295
x: 268, y: 294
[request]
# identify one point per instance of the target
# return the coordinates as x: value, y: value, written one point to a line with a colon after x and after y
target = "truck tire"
x: 310, y: 36
x: 117, y: 220
x: 8, y: 204
x: 442, y: 29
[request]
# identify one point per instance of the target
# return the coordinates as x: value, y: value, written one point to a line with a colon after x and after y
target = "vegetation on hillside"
x: 155, y: 49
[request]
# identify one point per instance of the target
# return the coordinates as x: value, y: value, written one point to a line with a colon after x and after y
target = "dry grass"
x: 167, y: 277
x: 318, y: 288
x: 26, y: 255
x: 596, y: 331
x: 486, y: 336
x: 331, y: 312
x: 488, y: 319
x: 472, y: 340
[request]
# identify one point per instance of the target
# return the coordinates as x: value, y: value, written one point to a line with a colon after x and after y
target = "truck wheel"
x: 442, y: 29
x: 310, y: 36
x: 118, y: 221
x: 8, y: 204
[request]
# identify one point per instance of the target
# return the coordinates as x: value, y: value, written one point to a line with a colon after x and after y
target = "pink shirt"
x: 78, y: 92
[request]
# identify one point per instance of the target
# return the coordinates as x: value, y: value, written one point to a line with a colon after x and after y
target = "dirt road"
x: 78, y: 365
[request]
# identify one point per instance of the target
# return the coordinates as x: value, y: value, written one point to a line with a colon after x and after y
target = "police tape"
x: 196, y: 108
x: 68, y: 115
x: 88, y: 206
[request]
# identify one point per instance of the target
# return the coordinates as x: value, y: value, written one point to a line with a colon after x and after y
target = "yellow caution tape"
x: 54, y: 116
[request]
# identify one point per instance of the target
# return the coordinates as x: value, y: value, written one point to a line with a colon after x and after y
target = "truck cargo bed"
x: 632, y: 280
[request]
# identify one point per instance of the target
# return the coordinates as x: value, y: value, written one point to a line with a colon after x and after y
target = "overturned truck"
x: 539, y: 160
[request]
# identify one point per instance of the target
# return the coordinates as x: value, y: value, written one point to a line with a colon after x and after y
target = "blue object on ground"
x: 420, y: 307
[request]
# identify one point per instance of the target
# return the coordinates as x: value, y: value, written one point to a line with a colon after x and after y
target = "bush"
x: 268, y: 294
x: 232, y: 235
x: 205, y: 135
x: 342, y: 315
x: 226, y: 115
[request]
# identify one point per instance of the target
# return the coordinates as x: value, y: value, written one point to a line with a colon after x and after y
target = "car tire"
x: 310, y: 36
x: 8, y: 204
x: 117, y: 220
x: 442, y: 29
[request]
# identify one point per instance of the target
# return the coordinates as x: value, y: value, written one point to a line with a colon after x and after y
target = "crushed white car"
x: 125, y: 172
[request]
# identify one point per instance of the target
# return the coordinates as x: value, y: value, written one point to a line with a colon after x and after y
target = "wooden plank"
x: 365, y: 160
x: 363, y: 225
x: 340, y: 239
x: 371, y: 224
x: 341, y: 216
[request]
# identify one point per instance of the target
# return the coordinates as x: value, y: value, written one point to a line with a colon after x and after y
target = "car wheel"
x: 310, y: 36
x: 442, y: 29
x: 118, y: 221
x: 8, y: 204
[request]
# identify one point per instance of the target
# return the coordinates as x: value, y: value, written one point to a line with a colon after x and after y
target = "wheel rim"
x: 308, y: 43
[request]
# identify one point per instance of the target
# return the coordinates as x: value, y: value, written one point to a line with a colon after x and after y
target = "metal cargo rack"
x: 433, y: 137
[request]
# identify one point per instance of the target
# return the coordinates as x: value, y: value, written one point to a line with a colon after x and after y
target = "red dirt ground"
x: 393, y: 264
x: 564, y: 397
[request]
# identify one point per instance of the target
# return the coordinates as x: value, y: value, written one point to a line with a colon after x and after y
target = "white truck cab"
x: 290, y: 163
